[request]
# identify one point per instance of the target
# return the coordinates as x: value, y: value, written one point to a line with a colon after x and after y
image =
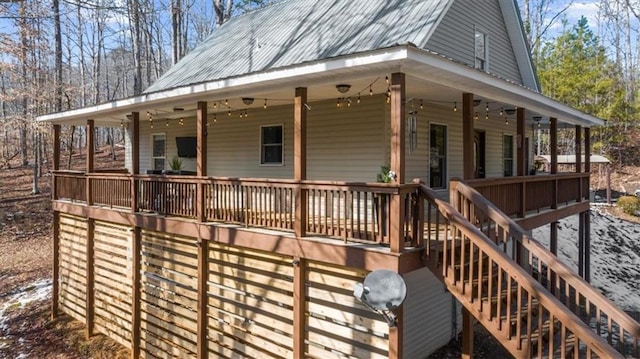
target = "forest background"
x: 58, y: 55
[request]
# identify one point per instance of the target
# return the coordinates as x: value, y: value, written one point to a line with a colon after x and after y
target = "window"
x: 507, y: 155
x: 481, y: 51
x: 271, y: 145
x: 158, y: 151
x: 438, y: 156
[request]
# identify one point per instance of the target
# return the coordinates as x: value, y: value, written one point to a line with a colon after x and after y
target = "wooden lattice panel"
x: 250, y: 303
x: 73, y: 258
x: 113, y: 281
x: 338, y: 325
x: 169, y: 298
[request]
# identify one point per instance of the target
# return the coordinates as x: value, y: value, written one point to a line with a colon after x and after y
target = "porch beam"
x: 521, y: 142
x: 398, y: 89
x: 300, y: 159
x: 90, y: 152
x: 578, y: 146
x: 201, y: 157
x: 467, y: 136
x: 135, y: 158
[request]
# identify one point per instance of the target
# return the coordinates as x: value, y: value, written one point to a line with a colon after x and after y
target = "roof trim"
x: 521, y: 51
x: 413, y: 61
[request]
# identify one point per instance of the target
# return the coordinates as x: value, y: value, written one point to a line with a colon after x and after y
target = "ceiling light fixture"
x: 343, y: 88
x: 509, y: 111
x: 247, y: 100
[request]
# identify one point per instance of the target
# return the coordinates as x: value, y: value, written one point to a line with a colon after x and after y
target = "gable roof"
x: 299, y: 31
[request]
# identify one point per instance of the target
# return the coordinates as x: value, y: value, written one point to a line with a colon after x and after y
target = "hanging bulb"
x: 538, y: 124
x: 386, y: 79
x: 151, y: 124
x: 486, y: 117
x: 455, y: 107
x: 421, y: 105
x: 476, y: 116
x: 121, y: 123
x: 506, y: 121
x: 226, y: 102
x: 265, y: 104
x: 167, y: 124
x: 214, y: 118
x: 181, y: 121
x: 487, y: 108
x: 349, y: 102
x: 501, y: 111
x: 215, y: 105
x: 338, y: 103
x: 229, y: 113
x: 388, y: 98
x: 370, y: 91
x: 246, y: 113
x: 358, y: 101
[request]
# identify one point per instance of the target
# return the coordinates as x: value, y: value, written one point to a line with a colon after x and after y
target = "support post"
x: 581, y: 244
x: 55, y: 287
x: 578, y: 146
x: 520, y: 113
x: 91, y: 133
x: 553, y: 134
x: 397, y: 165
x: 135, y: 159
x: 396, y: 335
x: 89, y: 277
x: 300, y: 159
x: 136, y: 247
x: 587, y: 214
x: 467, y: 334
x: 467, y: 136
x: 299, y: 300
x: 522, y: 171
x: 201, y: 160
x: 203, y: 256
x: 56, y: 160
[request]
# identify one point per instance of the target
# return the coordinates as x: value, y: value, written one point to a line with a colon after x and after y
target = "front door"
x: 479, y: 154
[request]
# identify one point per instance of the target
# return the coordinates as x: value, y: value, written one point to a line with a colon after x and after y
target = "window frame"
x: 509, y: 159
x: 445, y: 157
x: 164, y: 150
x: 262, y: 146
x: 484, y: 60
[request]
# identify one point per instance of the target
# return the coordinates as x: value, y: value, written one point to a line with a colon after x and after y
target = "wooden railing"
x: 70, y: 185
x: 519, y: 311
x: 604, y: 318
x: 350, y: 211
x: 515, y: 196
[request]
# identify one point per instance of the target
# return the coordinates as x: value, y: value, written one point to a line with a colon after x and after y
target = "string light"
x: 181, y: 121
x: 226, y: 102
x: 455, y: 107
x: 349, y: 102
x: 476, y: 116
x: 386, y: 79
x: 338, y: 103
x: 506, y: 121
x: 229, y: 113
x: 215, y: 105
x: 358, y: 101
x: 167, y: 124
x: 421, y: 105
x: 214, y: 118
x: 265, y: 104
x: 501, y: 111
x: 486, y: 117
x: 370, y: 91
x: 487, y: 108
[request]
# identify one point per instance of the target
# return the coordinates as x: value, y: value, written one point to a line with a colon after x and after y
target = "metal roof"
x: 298, y: 31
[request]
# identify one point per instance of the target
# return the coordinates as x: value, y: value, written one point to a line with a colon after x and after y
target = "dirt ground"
x: 26, y: 327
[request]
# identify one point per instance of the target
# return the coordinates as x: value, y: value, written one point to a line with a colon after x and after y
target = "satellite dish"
x: 382, y: 291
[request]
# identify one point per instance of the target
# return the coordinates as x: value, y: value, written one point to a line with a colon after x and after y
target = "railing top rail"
x: 573, y: 323
x: 556, y: 265
x: 67, y: 172
x: 485, y: 182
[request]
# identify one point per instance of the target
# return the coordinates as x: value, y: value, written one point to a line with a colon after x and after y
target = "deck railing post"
x: 90, y: 151
x: 300, y: 160
x: 396, y: 216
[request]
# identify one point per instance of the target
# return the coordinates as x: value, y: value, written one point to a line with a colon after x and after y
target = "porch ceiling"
x: 430, y: 77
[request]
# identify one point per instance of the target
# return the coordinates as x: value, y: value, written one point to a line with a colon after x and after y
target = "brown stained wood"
x: 299, y: 307
x: 520, y: 141
x: 90, y: 154
x: 56, y: 159
x: 398, y: 90
x: 201, y: 157
x: 467, y: 136
x: 283, y: 244
x: 89, y: 270
x: 55, y: 288
x: 136, y: 291
x: 300, y: 160
x: 203, y: 255
x: 578, y: 148
x: 553, y: 145
x: 396, y: 336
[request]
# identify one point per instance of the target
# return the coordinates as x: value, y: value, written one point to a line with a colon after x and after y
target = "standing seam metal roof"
x: 298, y: 31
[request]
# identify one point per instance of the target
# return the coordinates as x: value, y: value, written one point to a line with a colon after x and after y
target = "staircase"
x: 533, y: 304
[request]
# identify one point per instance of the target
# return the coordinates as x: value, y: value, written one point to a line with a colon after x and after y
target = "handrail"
x: 482, y: 182
x: 571, y: 321
x: 561, y: 271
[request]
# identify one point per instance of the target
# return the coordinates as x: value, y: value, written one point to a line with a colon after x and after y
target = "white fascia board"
x: 318, y: 69
x: 448, y: 73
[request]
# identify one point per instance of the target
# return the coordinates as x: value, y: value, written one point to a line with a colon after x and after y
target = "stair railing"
x: 595, y: 310
x: 514, y: 307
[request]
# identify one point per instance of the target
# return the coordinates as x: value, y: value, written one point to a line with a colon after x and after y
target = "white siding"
x: 431, y: 315
x: 454, y: 37
x: 172, y: 131
x: 494, y: 129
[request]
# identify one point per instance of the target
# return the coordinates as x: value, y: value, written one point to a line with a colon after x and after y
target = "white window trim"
x: 486, y: 47
x: 152, y: 157
x: 447, y: 159
x: 260, y: 146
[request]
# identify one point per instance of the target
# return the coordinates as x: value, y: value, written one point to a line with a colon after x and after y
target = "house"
x: 283, y: 119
